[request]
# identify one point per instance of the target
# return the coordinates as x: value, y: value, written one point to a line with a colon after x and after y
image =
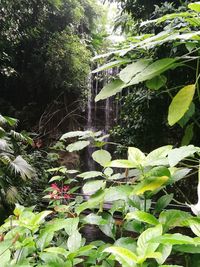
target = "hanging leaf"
x: 173, y: 239
x: 110, y: 89
x: 132, y: 69
x: 117, y: 192
x: 156, y: 83
x: 194, y: 6
x: 183, y: 121
x: 188, y: 135
x: 77, y: 146
x: 180, y: 104
x: 102, y: 157
x: 163, y: 202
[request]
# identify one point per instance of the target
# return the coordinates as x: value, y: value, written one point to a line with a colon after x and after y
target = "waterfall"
x: 103, y: 114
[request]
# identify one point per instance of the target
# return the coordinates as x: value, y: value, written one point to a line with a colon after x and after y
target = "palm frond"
x: 8, y: 120
x: 19, y: 165
x: 5, y: 146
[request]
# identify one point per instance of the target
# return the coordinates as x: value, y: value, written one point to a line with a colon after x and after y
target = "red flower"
x: 65, y: 188
x: 55, y: 187
x: 67, y: 196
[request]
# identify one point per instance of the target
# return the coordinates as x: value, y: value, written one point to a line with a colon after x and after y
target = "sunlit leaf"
x: 77, y: 146
x: 180, y: 104
x: 102, y: 157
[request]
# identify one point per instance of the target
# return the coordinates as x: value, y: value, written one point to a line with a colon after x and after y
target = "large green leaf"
x: 142, y: 216
x: 93, y: 202
x: 143, y: 245
x: 74, y: 134
x: 124, y: 256
x: 110, y: 65
x: 165, y: 251
x: 90, y: 174
x: 121, y: 163
x: 178, y: 154
x: 188, y: 135
x: 72, y: 225
x: 136, y: 156
x: 180, y: 104
x: 173, y: 218
x: 173, y: 239
x: 92, y: 186
x: 102, y: 157
x: 117, y: 192
x: 150, y: 184
x: 153, y: 70
x: 74, y: 241
x: 132, y: 69
x: 110, y: 89
x: 94, y: 219
x: 158, y: 156
x: 5, y: 253
x: 195, y: 6
x: 77, y: 146
x: 157, y: 82
x: 163, y: 202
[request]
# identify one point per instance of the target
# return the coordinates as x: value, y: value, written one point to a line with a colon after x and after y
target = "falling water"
x: 103, y: 114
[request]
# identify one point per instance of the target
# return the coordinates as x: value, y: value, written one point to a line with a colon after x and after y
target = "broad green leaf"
x: 109, y: 228
x: 77, y: 146
x: 178, y: 154
x: 156, y: 83
x: 142, y: 216
x: 158, y: 156
x: 173, y: 239
x: 92, y: 186
x: 194, y: 249
x: 74, y: 241
x: 158, y: 172
x: 90, y: 174
x: 5, y: 253
x: 132, y: 69
x: 173, y: 218
x: 163, y: 202
x: 124, y: 256
x: 126, y: 242
x: 165, y: 251
x: 102, y: 157
x: 57, y: 250
x: 56, y: 178
x: 94, y: 201
x: 194, y: 224
x: 44, y: 239
x: 195, y: 6
x: 136, y: 156
x: 108, y: 171
x: 143, y: 245
x: 150, y: 184
x: 110, y: 65
x: 188, y: 135
x: 121, y: 163
x: 110, y: 89
x: 38, y: 218
x: 94, y: 219
x: 178, y: 174
x: 72, y: 225
x: 74, y: 134
x: 190, y: 112
x: 180, y: 104
x: 117, y: 192
x: 153, y: 70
